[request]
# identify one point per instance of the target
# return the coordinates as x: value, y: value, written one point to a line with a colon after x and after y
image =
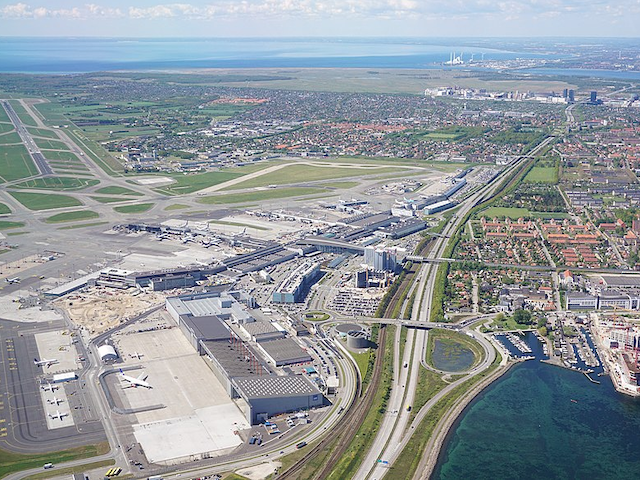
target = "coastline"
x: 432, y: 451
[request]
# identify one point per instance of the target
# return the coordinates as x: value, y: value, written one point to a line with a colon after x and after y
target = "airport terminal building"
x: 215, y: 323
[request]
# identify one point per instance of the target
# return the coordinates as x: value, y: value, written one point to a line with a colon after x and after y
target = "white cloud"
x: 370, y: 9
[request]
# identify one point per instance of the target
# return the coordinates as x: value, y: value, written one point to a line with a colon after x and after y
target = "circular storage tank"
x: 357, y: 339
x: 107, y: 353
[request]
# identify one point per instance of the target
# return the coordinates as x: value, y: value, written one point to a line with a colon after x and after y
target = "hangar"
x: 211, y: 322
x: 107, y: 353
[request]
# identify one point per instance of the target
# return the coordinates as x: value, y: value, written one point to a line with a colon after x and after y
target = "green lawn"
x: 4, y: 209
x: 306, y: 173
x: 192, y: 183
x: 542, y: 175
x: 10, y: 138
x: 268, y: 194
x: 116, y: 190
x: 51, y: 144
x: 45, y: 201
x: 15, y: 163
x: 58, y: 183
x: 65, y: 156
x: 109, y: 199
x: 72, y: 216
x: 500, y: 212
x: 6, y: 127
x: 6, y: 225
x: 137, y: 208
x: 175, y: 206
x: 11, y: 462
x: 41, y: 132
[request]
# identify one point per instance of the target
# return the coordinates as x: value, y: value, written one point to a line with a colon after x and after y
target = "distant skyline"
x: 324, y: 18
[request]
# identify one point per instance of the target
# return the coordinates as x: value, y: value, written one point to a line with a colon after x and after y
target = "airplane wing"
x: 143, y: 376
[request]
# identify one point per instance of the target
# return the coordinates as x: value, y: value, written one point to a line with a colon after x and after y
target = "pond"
x: 451, y: 356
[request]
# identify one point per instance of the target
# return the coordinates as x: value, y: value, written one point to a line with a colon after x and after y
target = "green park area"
x: 64, y: 156
x: 7, y: 225
x: 116, y: 190
x: 45, y: 201
x: 454, y: 133
x: 11, y: 462
x: 502, y: 212
x: 4, y: 209
x: 261, y: 195
x: 542, y: 175
x: 58, y: 183
x: 308, y: 173
x: 15, y: 163
x: 193, y: 182
x: 72, y: 216
x: 137, y: 208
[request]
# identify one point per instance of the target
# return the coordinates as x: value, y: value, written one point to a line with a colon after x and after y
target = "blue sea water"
x: 541, y: 421
x: 77, y: 55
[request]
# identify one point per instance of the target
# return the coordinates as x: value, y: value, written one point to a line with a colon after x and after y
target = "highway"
x: 394, y: 435
x: 38, y: 159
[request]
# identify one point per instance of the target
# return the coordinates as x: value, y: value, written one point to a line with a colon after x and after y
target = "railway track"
x: 346, y: 430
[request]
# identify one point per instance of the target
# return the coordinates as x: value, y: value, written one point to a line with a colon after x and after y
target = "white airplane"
x: 138, y: 381
x: 136, y: 355
x: 49, y: 388
x: 12, y: 280
x: 44, y: 362
x: 58, y: 414
x: 56, y: 401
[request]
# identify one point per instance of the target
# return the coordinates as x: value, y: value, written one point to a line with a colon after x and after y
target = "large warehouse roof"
x: 285, y: 351
x: 207, y: 328
x: 107, y: 352
x: 275, y: 386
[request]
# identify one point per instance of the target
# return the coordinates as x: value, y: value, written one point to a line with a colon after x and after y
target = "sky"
x: 323, y: 18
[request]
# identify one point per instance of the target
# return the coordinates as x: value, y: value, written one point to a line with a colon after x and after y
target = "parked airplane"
x: 44, y: 362
x: 138, y: 381
x: 58, y: 414
x: 49, y: 388
x: 56, y: 401
x: 12, y: 280
x: 136, y: 355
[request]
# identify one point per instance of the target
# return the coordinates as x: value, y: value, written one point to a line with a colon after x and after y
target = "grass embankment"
x: 15, y: 462
x: 72, y: 216
x: 429, y: 384
x: 350, y: 461
x: 452, y: 341
x: 4, y: 209
x: 138, y: 208
x: 45, y: 201
x: 259, y: 196
x: 406, y: 464
x: 58, y: 472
